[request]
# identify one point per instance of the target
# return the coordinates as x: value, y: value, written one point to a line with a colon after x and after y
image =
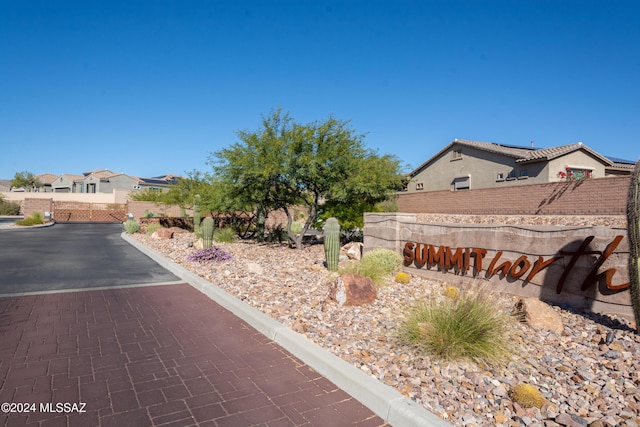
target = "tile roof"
x: 522, y: 154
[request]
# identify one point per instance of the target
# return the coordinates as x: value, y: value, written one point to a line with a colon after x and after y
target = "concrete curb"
x: 382, y: 399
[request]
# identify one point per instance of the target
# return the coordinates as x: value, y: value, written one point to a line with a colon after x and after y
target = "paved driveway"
x: 72, y: 256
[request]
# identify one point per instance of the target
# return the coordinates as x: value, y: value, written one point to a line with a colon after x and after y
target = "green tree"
x: 26, y: 180
x: 286, y: 164
x: 252, y: 172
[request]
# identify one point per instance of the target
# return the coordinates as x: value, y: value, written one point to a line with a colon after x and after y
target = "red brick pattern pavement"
x: 156, y: 356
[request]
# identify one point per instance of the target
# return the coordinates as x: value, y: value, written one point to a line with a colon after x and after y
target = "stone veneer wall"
x: 394, y: 230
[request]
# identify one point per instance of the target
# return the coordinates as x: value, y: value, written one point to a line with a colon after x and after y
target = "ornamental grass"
x: 467, y: 327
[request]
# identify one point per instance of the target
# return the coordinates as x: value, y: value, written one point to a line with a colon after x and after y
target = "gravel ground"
x: 584, y: 381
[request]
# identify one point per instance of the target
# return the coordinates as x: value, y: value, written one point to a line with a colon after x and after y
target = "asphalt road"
x: 72, y: 256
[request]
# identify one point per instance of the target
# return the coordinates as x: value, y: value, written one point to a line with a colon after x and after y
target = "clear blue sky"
x: 154, y: 87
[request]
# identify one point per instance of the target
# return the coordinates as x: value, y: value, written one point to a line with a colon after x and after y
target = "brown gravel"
x: 583, y: 380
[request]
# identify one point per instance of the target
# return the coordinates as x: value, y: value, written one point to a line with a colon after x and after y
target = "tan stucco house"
x: 467, y: 164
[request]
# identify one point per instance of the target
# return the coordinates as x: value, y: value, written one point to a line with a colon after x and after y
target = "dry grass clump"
x: 376, y: 265
x: 466, y: 327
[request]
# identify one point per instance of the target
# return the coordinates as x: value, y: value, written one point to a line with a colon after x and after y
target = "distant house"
x: 47, y: 180
x: 467, y: 164
x: 100, y: 181
x: 67, y: 183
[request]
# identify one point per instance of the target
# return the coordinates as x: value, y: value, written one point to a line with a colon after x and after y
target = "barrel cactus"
x: 207, y: 232
x: 633, y: 232
x: 332, y: 243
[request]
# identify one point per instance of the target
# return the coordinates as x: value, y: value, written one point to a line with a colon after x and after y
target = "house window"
x: 91, y: 188
x: 512, y: 175
x: 419, y: 185
x: 524, y: 174
x: 462, y: 183
x: 456, y: 155
x: 500, y: 176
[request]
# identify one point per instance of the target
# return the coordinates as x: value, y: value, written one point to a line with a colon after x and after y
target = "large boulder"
x: 163, y: 233
x: 538, y: 315
x: 353, y: 290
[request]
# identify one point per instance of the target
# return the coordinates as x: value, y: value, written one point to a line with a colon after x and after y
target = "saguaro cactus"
x: 196, y: 217
x: 332, y: 243
x: 633, y: 232
x: 207, y: 232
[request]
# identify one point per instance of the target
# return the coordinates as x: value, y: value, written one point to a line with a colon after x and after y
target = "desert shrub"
x: 527, y: 396
x: 131, y: 226
x: 34, y: 219
x: 376, y: 265
x: 468, y: 327
x: 224, y: 235
x: 402, y: 278
x: 8, y: 208
x: 296, y: 227
x: 387, y: 260
x: 212, y: 254
x: 151, y: 228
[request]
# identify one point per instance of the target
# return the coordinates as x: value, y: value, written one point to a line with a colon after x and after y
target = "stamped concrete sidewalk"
x: 156, y: 356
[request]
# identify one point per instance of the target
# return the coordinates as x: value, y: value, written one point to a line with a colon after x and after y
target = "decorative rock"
x: 198, y: 244
x: 352, y: 290
x: 163, y: 233
x: 254, y: 268
x: 538, y: 315
x: 354, y: 250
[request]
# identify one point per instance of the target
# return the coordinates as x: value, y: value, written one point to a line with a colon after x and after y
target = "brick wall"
x: 30, y: 205
x: 604, y: 196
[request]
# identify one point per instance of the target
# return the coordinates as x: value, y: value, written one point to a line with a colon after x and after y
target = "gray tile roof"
x: 523, y: 154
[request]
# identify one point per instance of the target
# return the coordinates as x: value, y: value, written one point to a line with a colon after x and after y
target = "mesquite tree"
x: 286, y: 164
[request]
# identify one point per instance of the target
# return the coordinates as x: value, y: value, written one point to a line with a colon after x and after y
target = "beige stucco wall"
x: 393, y: 231
x: 577, y: 159
x: 116, y: 196
x: 483, y: 168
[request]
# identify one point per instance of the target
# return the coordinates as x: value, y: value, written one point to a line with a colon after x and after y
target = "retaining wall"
x: 580, y: 266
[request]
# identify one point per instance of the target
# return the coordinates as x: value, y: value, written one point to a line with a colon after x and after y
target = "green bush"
x: 8, y: 208
x: 376, y: 265
x: 224, y: 235
x: 131, y: 226
x: 151, y: 228
x: 296, y: 227
x: 468, y: 327
x: 386, y: 260
x: 34, y: 219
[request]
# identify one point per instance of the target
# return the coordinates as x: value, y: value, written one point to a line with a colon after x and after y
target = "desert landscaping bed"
x: 584, y: 380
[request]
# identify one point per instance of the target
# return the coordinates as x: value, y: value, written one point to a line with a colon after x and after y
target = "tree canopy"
x: 284, y: 164
x: 26, y: 180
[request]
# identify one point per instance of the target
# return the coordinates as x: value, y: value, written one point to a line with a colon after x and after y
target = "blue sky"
x: 154, y: 87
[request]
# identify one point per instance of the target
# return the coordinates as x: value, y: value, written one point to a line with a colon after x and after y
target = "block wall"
x: 604, y: 196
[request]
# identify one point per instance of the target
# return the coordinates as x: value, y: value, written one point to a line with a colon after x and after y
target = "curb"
x: 383, y: 400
